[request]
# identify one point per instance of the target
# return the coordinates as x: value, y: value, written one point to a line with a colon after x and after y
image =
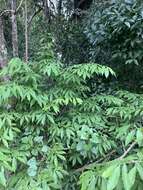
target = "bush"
x: 54, y: 135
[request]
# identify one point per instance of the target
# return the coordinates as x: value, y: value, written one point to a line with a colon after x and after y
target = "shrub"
x: 57, y: 135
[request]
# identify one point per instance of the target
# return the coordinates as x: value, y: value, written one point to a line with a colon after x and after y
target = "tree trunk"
x: 59, y: 7
x: 3, y: 49
x: 14, y: 28
x: 26, y: 33
x: 46, y: 10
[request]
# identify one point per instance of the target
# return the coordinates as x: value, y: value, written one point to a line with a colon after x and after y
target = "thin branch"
x: 127, y: 151
x: 12, y: 11
x: 107, y: 156
x: 33, y: 15
x: 20, y: 4
x: 91, y: 164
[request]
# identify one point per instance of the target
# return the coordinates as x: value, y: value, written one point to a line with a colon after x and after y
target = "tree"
x: 114, y: 30
x: 3, y: 49
x: 26, y: 32
x: 14, y: 28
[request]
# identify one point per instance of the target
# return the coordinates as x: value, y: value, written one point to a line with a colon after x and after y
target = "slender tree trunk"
x: 26, y: 33
x: 46, y: 10
x: 14, y: 28
x: 3, y: 49
x: 59, y: 7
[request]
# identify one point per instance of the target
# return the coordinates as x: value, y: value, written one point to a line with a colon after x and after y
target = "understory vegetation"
x: 71, y: 95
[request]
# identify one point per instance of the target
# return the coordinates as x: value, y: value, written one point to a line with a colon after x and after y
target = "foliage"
x: 38, y: 125
x: 69, y: 36
x: 125, y: 128
x: 115, y: 31
x: 70, y: 126
x: 53, y: 130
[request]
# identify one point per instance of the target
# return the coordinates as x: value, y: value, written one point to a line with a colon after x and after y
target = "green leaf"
x: 31, y: 172
x: 2, y: 177
x: 51, y: 119
x: 103, y: 184
x: 139, y: 137
x: 44, y: 148
x: 128, y: 178
x: 113, y: 179
x: 132, y: 176
x: 140, y: 170
x: 125, y: 177
x: 127, y: 24
x: 14, y: 164
x: 130, y: 137
x: 108, y: 172
x: 92, y: 183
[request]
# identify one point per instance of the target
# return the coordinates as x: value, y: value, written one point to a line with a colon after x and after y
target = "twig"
x: 20, y: 4
x: 108, y: 155
x: 127, y: 151
x: 91, y: 164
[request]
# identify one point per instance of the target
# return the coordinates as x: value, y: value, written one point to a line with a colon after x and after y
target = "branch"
x: 107, y: 156
x: 91, y: 164
x: 6, y: 11
x: 20, y: 4
x: 33, y: 15
x: 127, y: 151
x: 12, y: 11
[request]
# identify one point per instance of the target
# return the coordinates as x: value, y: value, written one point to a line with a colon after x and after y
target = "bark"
x: 59, y: 7
x: 26, y: 33
x: 14, y: 28
x: 45, y: 5
x: 46, y: 10
x: 3, y: 49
